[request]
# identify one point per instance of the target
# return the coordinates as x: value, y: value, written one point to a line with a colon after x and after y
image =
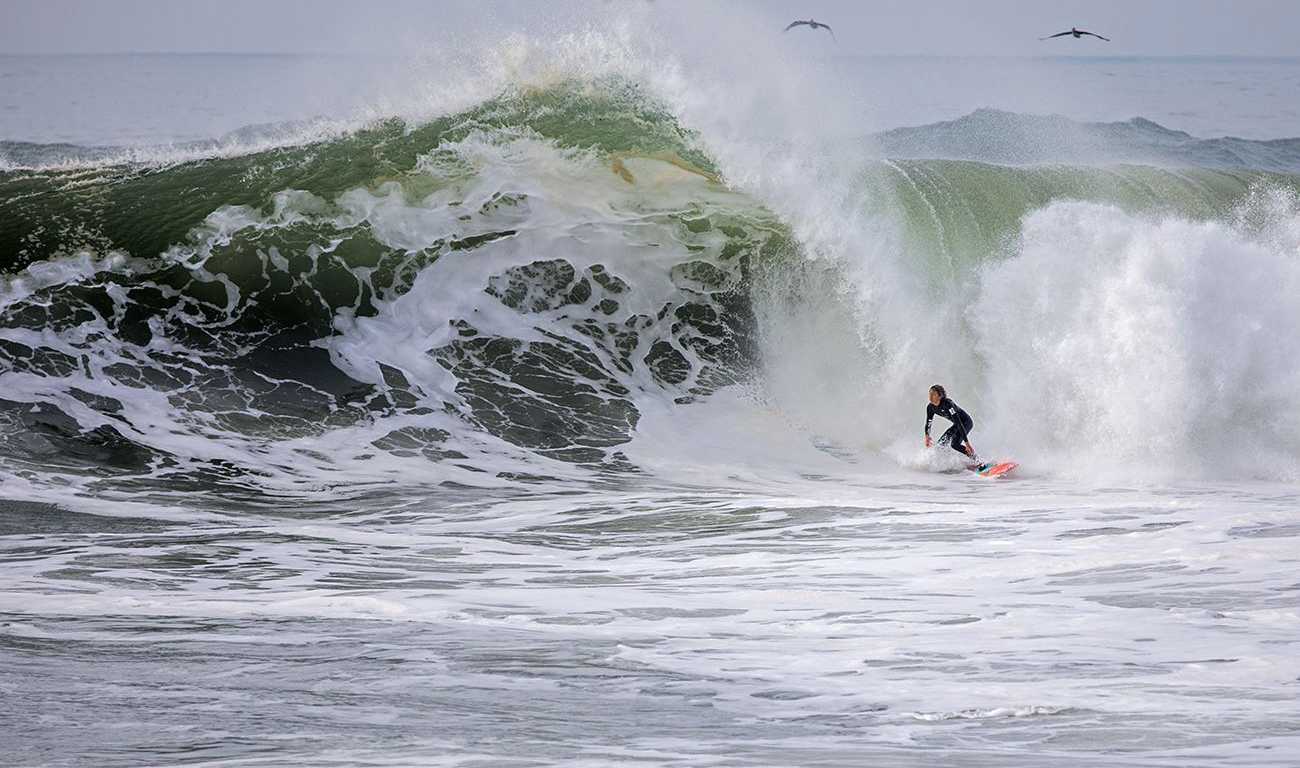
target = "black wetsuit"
x: 956, y: 436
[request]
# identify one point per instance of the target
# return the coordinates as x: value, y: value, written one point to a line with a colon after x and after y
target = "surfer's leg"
x: 964, y: 439
x: 954, y: 438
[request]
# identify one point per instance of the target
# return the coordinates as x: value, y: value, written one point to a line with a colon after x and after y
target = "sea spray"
x: 1114, y: 341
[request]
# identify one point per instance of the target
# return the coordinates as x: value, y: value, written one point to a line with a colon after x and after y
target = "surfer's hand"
x: 928, y: 442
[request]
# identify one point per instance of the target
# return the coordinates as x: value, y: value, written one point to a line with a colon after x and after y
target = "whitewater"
x: 562, y: 405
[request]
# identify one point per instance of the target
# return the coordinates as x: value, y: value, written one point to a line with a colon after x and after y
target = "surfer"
x: 958, y: 435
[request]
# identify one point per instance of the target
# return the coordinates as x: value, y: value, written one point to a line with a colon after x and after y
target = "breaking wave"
x: 496, y: 295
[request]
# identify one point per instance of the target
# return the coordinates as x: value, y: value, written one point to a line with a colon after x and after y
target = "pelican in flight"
x: 1078, y: 33
x: 811, y: 25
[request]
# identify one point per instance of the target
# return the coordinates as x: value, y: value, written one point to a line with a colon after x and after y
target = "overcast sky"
x: 974, y: 27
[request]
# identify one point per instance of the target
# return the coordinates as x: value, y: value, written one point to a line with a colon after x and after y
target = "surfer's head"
x: 937, y: 393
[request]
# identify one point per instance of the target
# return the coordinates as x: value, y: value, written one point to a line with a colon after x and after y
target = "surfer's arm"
x: 929, y: 417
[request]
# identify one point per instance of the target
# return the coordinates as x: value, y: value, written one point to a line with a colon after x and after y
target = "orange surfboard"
x: 994, y: 468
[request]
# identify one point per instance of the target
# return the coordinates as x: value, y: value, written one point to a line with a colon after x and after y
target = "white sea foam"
x: 1146, y: 344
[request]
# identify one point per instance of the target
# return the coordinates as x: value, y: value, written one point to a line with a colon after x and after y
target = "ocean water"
x: 562, y: 405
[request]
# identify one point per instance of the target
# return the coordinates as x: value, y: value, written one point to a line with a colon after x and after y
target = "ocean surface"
x: 563, y: 405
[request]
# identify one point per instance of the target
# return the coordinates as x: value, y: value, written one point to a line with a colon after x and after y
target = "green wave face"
x: 143, y: 210
x: 959, y: 214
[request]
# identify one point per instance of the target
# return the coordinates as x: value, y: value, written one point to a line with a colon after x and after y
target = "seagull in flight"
x: 811, y: 24
x: 1078, y: 33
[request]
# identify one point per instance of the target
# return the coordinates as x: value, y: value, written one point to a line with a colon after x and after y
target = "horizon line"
x: 379, y: 54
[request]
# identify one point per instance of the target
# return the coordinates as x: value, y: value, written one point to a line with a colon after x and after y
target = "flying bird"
x: 811, y: 25
x: 1078, y: 33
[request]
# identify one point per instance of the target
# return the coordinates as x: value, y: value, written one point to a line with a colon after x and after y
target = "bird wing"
x: 793, y: 24
x: 1058, y: 34
x: 827, y: 27
x: 1094, y: 34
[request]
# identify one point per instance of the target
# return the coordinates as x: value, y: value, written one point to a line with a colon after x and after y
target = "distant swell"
x: 993, y: 136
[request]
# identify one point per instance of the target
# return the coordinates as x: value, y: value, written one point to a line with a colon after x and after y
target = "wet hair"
x: 939, y: 390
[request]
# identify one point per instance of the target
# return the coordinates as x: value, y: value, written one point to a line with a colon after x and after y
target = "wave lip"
x: 249, y: 140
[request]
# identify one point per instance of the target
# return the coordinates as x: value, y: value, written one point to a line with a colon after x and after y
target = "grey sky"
x: 974, y: 27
